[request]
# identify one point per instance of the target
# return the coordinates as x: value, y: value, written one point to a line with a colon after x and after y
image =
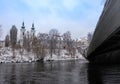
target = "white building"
x: 83, y: 42
x: 23, y: 33
x: 32, y: 32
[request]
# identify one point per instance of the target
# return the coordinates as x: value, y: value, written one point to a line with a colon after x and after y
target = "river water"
x: 59, y: 72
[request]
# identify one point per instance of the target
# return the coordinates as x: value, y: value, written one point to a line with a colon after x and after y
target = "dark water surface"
x: 61, y: 72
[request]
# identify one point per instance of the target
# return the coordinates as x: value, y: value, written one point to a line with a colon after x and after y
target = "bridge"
x: 105, y: 45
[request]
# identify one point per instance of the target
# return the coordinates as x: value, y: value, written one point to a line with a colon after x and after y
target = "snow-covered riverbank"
x: 6, y: 56
x: 63, y: 56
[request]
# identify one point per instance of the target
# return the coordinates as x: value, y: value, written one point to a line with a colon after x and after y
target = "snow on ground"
x: 64, y: 56
x: 6, y: 56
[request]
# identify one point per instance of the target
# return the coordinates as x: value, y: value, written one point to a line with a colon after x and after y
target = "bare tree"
x: 35, y: 48
x: 28, y: 42
x: 59, y: 45
x: 67, y: 41
x: 42, y: 45
x: 13, y: 38
x: 7, y: 41
x: 24, y: 42
x: 53, y: 37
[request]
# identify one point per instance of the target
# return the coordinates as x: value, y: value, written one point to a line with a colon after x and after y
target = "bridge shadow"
x: 94, y: 75
x: 107, y: 74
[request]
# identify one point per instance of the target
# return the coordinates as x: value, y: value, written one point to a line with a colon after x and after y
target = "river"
x: 59, y: 72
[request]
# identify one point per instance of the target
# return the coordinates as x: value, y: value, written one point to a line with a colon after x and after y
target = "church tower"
x: 22, y: 33
x: 32, y: 31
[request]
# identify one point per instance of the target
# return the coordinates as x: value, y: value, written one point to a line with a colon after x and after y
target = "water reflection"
x: 69, y: 72
x: 104, y: 74
x: 94, y: 75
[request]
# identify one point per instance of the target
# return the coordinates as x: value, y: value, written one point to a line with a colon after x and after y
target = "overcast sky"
x: 77, y: 16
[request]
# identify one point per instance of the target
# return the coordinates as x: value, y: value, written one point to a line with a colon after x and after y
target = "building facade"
x: 25, y: 34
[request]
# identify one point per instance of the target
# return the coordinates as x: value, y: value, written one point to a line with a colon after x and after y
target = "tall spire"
x: 23, y: 26
x: 33, y: 26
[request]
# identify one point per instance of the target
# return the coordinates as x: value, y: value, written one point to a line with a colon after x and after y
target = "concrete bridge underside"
x: 105, y: 45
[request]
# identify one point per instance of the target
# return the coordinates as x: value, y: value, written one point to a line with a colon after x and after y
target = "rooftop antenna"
x: 33, y: 22
x: 23, y: 20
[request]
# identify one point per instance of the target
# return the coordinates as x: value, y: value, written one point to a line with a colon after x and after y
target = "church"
x: 24, y: 33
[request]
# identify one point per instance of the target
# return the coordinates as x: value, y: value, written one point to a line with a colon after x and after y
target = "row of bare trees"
x: 54, y: 43
x: 43, y: 43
